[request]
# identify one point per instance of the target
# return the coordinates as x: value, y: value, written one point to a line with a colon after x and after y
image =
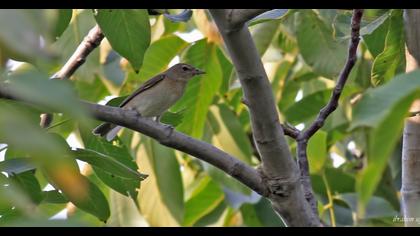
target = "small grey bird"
x: 154, y: 97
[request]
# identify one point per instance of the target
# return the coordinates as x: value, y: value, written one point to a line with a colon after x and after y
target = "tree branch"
x: 278, y: 168
x: 167, y: 136
x: 332, y: 104
x: 290, y: 131
x: 238, y: 17
x: 89, y: 43
x: 410, y: 176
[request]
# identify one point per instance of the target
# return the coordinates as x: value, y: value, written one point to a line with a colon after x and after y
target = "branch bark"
x: 167, y: 136
x: 332, y: 104
x: 78, y: 58
x: 238, y: 17
x: 278, y: 169
x: 410, y: 189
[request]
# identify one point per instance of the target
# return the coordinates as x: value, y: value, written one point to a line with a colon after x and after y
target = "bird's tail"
x: 107, y: 130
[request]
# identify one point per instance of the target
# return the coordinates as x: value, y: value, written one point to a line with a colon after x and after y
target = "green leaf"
x: 94, y: 201
x: 227, y: 132
x: 260, y: 214
x: 32, y: 86
x: 263, y: 35
x: 92, y: 90
x: 383, y: 110
x: 156, y: 60
x: 124, y: 213
x: 392, y: 59
x: 317, y: 151
x: 119, y: 153
x: 29, y: 184
x: 205, y: 198
x: 376, y: 208
x: 308, y: 107
x: 20, y: 34
x: 374, y: 37
x: 54, y: 196
x: 318, y: 46
x: 128, y: 32
x: 64, y: 17
x: 17, y: 165
x: 71, y: 38
x: 153, y: 205
x: 107, y: 164
x: 200, y: 91
x: 168, y: 176
x: 338, y: 181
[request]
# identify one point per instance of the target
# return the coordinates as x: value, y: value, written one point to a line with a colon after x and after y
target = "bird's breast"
x: 155, y: 101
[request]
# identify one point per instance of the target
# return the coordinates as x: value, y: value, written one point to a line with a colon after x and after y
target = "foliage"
x: 134, y: 180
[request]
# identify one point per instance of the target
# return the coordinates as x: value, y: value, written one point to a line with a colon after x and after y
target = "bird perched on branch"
x: 154, y: 97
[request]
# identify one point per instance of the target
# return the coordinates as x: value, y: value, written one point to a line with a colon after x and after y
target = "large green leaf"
x: 128, y: 32
x: 107, y: 164
x: 318, y: 46
x: 375, y: 33
x: 263, y: 35
x: 20, y: 33
x: 392, y: 59
x: 32, y: 86
x: 120, y: 153
x: 227, y: 132
x: 155, y: 210
x: 168, y: 176
x: 317, y: 151
x: 63, y: 20
x: 80, y: 25
x: 383, y: 110
x: 308, y: 107
x: 200, y: 91
x: 156, y: 60
x: 205, y: 198
x: 376, y: 208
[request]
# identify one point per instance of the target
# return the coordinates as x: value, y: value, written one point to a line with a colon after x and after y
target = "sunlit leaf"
x: 128, y: 32
x: 392, y: 59
x: 317, y: 151
x: 205, y: 198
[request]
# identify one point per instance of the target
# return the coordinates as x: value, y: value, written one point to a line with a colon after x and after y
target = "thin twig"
x: 290, y: 131
x: 332, y: 104
x: 89, y: 43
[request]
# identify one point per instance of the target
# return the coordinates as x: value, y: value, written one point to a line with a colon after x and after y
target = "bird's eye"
x: 185, y: 68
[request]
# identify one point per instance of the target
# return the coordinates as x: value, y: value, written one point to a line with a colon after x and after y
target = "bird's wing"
x: 147, y: 85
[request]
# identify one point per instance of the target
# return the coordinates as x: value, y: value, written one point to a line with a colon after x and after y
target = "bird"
x: 154, y: 97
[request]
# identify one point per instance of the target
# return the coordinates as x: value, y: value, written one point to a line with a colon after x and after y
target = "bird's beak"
x: 199, y: 72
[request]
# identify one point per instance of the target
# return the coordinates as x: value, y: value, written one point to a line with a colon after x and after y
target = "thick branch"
x: 237, y: 17
x: 167, y: 136
x: 278, y: 166
x: 410, y: 186
x: 89, y: 43
x: 332, y: 104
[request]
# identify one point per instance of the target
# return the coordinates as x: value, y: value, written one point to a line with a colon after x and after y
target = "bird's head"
x: 183, y: 71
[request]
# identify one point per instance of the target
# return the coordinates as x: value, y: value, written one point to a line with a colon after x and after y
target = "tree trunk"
x: 410, y: 189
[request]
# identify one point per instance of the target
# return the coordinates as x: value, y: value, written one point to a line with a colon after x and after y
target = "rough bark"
x: 410, y: 189
x: 278, y: 169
